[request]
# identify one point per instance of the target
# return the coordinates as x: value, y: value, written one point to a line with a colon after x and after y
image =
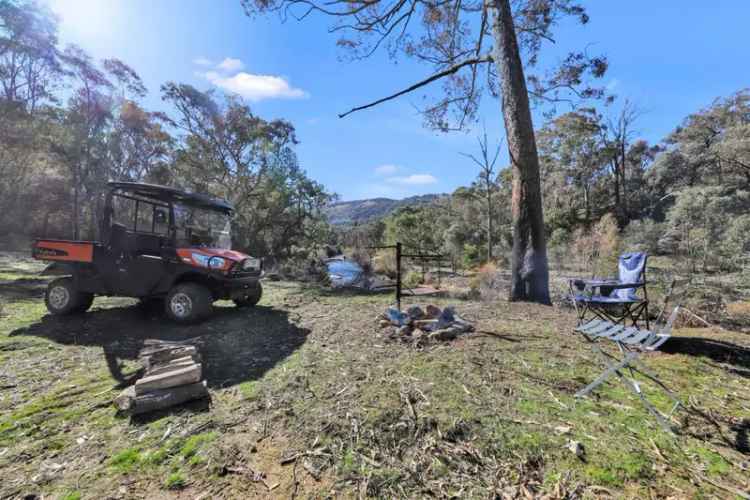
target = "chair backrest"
x: 631, y: 267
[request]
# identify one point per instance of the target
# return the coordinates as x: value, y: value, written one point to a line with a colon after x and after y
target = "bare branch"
x: 437, y: 76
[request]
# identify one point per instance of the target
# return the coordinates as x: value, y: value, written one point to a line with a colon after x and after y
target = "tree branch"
x: 437, y: 76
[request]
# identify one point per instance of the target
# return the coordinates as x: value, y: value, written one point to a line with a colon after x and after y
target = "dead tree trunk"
x: 490, y: 241
x: 529, y: 267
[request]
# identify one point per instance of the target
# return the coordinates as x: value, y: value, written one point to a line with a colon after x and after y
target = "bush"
x: 597, y: 250
x: 384, y: 262
x: 583, y: 249
x: 472, y: 255
x: 412, y: 279
x: 644, y: 235
x: 734, y: 248
x: 608, y: 245
x: 558, y: 246
x: 363, y: 259
x: 487, y: 274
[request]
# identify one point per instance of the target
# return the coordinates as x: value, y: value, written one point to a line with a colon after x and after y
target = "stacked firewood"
x: 173, y: 375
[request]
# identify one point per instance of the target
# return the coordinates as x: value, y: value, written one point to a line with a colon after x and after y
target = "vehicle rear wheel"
x: 251, y: 297
x: 188, y: 303
x: 62, y: 298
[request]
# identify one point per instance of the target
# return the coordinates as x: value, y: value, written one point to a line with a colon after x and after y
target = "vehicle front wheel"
x: 250, y: 298
x: 62, y: 298
x: 188, y: 303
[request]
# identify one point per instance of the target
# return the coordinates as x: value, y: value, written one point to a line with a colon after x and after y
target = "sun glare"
x: 86, y: 18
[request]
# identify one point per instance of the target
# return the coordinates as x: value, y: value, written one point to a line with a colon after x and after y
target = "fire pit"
x: 424, y: 326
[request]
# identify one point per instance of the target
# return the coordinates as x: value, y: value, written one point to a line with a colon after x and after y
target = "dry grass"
x: 308, y: 399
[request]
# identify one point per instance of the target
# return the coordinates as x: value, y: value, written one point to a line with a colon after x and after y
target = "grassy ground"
x: 310, y: 399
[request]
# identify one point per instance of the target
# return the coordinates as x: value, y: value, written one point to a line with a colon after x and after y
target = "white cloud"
x: 256, y: 87
x: 613, y: 84
x: 229, y: 64
x: 202, y: 61
x: 386, y: 169
x: 413, y: 180
x: 227, y: 76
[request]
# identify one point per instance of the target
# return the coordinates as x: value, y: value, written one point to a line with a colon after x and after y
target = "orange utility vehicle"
x: 158, y: 243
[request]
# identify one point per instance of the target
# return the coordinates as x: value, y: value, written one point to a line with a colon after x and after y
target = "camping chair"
x: 631, y: 342
x: 615, y: 300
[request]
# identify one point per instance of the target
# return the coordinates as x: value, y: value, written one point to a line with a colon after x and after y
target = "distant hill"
x: 359, y: 211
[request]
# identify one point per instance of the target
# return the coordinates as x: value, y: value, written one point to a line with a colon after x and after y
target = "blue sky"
x: 670, y: 57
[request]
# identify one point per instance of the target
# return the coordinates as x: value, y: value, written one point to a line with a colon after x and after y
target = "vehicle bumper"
x: 231, y: 288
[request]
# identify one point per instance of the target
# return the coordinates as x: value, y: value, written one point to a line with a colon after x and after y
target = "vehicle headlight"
x: 216, y: 263
x: 251, y: 264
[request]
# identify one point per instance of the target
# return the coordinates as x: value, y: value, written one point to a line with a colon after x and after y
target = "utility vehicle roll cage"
x: 157, y: 197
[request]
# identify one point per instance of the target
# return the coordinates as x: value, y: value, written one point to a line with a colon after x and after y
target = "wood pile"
x: 173, y: 375
x: 424, y: 326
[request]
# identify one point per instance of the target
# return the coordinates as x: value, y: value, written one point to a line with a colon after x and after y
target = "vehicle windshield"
x: 202, y: 227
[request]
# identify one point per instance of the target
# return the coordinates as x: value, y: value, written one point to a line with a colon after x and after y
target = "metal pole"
x: 398, y: 275
x: 439, y: 270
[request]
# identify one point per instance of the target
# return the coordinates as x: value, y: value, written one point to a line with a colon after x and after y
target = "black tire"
x: 188, y: 303
x: 251, y: 298
x: 62, y: 297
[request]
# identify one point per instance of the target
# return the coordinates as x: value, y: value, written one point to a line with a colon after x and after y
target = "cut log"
x: 162, y: 348
x: 171, y: 362
x: 159, y: 399
x: 173, y: 378
x: 446, y: 333
x: 174, y: 365
x: 166, y: 355
x: 124, y: 400
x: 425, y: 324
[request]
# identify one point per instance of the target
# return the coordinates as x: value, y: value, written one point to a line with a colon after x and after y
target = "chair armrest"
x: 611, y: 284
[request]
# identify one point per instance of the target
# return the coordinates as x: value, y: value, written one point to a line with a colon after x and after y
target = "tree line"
x: 69, y: 124
x: 604, y: 191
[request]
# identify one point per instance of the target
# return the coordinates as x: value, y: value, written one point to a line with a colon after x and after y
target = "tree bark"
x: 529, y: 267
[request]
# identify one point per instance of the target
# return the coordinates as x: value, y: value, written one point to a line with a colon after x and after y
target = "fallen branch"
x: 258, y: 477
x: 721, y: 486
x: 437, y: 76
x: 310, y: 453
x: 700, y: 319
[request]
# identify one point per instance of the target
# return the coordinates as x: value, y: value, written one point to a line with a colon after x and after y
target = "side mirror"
x: 160, y: 217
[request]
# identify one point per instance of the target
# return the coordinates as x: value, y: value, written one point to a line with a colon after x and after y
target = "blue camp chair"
x: 616, y: 300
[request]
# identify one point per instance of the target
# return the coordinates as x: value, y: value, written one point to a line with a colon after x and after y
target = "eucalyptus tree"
x: 572, y: 143
x: 711, y: 146
x: 227, y: 150
x: 30, y: 63
x: 474, y: 46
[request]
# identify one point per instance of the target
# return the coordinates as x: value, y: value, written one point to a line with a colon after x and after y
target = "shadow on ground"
x: 22, y: 289
x: 236, y: 345
x: 735, y: 357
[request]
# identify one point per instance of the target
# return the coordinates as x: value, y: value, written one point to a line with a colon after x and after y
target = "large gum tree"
x: 475, y: 47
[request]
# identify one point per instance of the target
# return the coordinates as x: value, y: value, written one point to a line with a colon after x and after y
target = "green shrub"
x: 175, y: 481
x: 643, y: 235
x: 413, y: 278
